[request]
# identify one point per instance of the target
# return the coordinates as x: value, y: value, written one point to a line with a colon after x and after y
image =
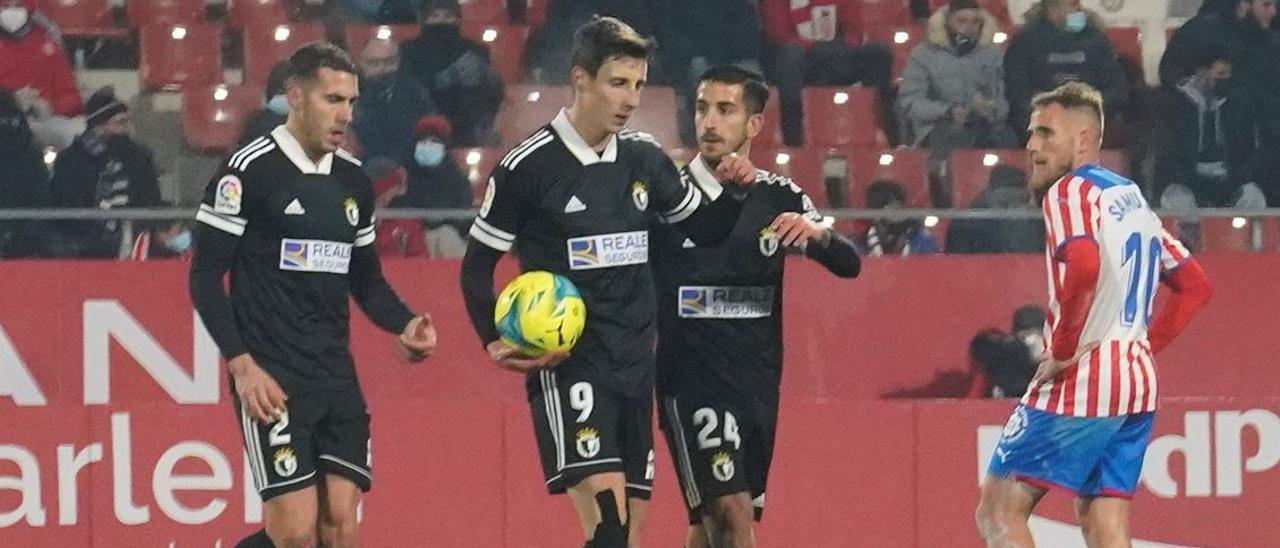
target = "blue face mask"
x: 1076, y: 21
x: 429, y: 153
x: 279, y: 105
x: 180, y: 243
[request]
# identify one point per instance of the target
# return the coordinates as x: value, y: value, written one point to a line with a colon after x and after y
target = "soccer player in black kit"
x: 719, y: 360
x: 578, y: 198
x: 291, y: 216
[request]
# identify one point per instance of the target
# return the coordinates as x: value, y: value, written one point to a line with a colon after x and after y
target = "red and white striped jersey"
x: 1119, y: 377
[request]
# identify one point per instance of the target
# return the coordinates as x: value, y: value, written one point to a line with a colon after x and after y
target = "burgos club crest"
x: 640, y: 195
x: 722, y: 466
x: 352, y: 210
x: 286, y: 462
x: 768, y: 242
x: 588, y: 442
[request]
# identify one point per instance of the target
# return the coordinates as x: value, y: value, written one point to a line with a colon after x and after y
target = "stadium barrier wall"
x: 116, y: 427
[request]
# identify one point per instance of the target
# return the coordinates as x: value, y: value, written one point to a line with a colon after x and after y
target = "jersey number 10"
x: 1143, y: 268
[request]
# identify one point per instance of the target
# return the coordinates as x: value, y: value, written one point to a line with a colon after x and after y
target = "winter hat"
x: 101, y: 106
x: 433, y: 126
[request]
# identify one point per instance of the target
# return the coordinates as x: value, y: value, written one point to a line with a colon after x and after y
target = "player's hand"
x: 1050, y: 368
x: 261, y: 395
x: 736, y: 170
x: 509, y: 357
x: 794, y: 229
x: 418, y: 340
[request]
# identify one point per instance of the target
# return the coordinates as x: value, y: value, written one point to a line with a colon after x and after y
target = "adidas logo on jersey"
x: 688, y: 244
x: 294, y: 208
x: 575, y: 205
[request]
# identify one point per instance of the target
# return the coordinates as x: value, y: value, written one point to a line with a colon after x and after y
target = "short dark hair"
x: 429, y: 7
x: 882, y: 192
x: 602, y: 39
x: 307, y: 61
x: 755, y: 93
x: 957, y: 5
x: 1072, y: 95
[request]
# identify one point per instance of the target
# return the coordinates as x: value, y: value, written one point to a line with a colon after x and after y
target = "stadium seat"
x: 265, y: 45
x: 970, y: 168
x: 841, y: 116
x: 804, y: 166
x: 484, y: 11
x: 885, y: 12
x: 528, y: 107
x: 478, y: 164
x: 1127, y: 43
x: 901, y: 39
x: 537, y: 13
x: 174, y: 55
x: 89, y: 18
x: 242, y: 13
x: 213, y: 116
x: 1226, y: 235
x: 657, y: 115
x: 907, y: 166
x: 359, y: 35
x: 165, y: 12
x: 771, y: 134
x: 506, y: 47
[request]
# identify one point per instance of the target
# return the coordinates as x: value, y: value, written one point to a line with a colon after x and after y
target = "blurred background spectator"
x: 34, y: 68
x: 1255, y: 69
x: 162, y: 240
x: 1006, y: 189
x: 24, y: 179
x: 395, y: 237
x: 952, y: 92
x: 548, y: 50
x: 274, y: 111
x: 1061, y: 42
x: 886, y: 237
x: 436, y: 182
x: 820, y: 43
x: 1214, y: 24
x: 390, y: 103
x: 456, y: 71
x: 104, y: 168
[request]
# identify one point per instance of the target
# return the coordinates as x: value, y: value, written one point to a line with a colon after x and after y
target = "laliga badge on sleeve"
x: 228, y: 195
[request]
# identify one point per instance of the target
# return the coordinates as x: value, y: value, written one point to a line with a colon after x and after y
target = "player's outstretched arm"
x: 215, y: 250
x: 478, y: 265
x: 707, y: 220
x: 374, y: 295
x: 1191, y: 291
x: 820, y: 243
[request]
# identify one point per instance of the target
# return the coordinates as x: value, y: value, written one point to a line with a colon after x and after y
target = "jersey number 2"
x: 1143, y: 268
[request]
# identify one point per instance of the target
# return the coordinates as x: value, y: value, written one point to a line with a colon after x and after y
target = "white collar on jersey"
x: 293, y: 150
x: 704, y: 178
x: 578, y: 146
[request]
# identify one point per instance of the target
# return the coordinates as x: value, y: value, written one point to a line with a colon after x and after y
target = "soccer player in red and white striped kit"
x: 1086, y: 418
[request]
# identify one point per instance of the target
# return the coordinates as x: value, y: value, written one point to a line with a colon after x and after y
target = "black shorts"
x: 719, y: 449
x: 323, y: 431
x: 584, y: 429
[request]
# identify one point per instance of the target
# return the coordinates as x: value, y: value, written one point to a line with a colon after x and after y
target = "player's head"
x: 729, y: 111
x: 610, y: 66
x: 321, y: 87
x: 1066, y: 132
x: 1211, y: 68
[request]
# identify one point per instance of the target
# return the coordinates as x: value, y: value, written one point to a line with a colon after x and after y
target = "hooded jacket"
x: 938, y: 79
x: 1042, y: 57
x: 1212, y: 137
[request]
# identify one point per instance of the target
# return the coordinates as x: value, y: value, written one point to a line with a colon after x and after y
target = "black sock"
x: 256, y: 540
x: 610, y: 532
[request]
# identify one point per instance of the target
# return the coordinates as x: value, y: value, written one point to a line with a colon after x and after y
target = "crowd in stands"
x: 434, y: 85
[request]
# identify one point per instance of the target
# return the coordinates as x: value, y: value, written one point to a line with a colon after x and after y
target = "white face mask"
x: 13, y: 18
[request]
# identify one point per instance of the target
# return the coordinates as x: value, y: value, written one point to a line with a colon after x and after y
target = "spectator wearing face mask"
x: 24, y: 180
x: 436, y: 182
x: 104, y: 168
x: 1061, y: 42
x: 165, y: 240
x: 952, y: 92
x: 1205, y: 141
x: 456, y: 72
x: 395, y: 237
x: 276, y: 109
x: 390, y: 103
x: 34, y: 67
x: 887, y: 237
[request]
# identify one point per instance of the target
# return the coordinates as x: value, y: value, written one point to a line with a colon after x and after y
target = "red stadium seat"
x: 478, y: 164
x: 265, y: 45
x: 802, y: 165
x: 657, y: 115
x: 175, y: 55
x: 1127, y: 43
x: 528, y: 107
x: 213, y: 117
x: 359, y: 35
x: 901, y: 39
x: 907, y: 166
x: 506, y: 47
x: 970, y: 169
x: 537, y: 13
x: 771, y: 134
x: 484, y: 11
x: 83, y: 17
x: 242, y: 13
x: 841, y: 117
x: 885, y: 12
x: 165, y: 12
